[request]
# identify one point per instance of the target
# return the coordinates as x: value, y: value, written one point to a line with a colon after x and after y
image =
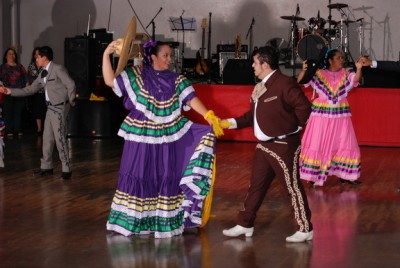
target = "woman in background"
x: 13, y: 75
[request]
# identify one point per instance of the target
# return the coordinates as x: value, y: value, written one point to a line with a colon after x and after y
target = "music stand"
x: 182, y: 24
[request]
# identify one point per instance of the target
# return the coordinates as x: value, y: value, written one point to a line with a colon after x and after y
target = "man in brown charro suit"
x: 279, y: 109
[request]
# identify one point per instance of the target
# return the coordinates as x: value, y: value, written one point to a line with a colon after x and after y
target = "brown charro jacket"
x: 281, y: 109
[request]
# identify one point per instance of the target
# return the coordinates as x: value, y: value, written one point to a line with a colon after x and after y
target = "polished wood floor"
x: 48, y: 222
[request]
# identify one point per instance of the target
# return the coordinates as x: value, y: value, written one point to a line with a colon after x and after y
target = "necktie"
x: 259, y: 89
x: 43, y: 74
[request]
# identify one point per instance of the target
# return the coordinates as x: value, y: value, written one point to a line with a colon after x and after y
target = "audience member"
x: 13, y: 75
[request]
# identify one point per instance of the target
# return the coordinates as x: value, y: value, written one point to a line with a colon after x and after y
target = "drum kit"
x: 312, y: 42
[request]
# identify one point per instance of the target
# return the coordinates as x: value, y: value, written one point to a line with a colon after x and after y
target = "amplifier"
x: 238, y: 72
x: 230, y: 48
x: 223, y: 58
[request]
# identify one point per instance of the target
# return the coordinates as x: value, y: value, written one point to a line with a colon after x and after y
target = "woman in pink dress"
x: 329, y: 144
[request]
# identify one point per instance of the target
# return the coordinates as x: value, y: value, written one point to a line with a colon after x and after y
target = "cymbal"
x: 292, y: 18
x: 277, y: 43
x: 363, y: 8
x: 281, y: 45
x: 349, y: 21
x: 337, y: 6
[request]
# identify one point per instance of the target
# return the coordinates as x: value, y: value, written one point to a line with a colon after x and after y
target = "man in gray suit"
x: 60, y: 95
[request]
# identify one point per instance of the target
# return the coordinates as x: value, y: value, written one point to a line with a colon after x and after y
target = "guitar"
x: 201, y: 67
x: 238, y: 47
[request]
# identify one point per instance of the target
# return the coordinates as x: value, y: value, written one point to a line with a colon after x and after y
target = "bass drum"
x: 312, y: 47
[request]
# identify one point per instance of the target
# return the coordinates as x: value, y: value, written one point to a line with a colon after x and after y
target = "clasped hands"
x: 365, y: 61
x: 217, y: 124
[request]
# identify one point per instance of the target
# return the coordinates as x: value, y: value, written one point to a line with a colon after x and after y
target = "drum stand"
x: 293, y: 28
x: 361, y: 35
x: 329, y: 25
x: 292, y: 43
x: 344, y: 40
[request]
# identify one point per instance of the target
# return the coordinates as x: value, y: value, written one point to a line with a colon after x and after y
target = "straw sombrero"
x: 128, y: 48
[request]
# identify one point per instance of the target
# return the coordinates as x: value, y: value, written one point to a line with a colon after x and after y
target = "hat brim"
x: 126, y: 46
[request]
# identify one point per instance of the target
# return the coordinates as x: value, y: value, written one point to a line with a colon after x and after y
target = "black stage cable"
x: 137, y: 17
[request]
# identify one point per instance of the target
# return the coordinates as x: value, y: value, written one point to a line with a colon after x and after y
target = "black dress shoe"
x: 66, y: 175
x: 342, y: 181
x: 43, y: 172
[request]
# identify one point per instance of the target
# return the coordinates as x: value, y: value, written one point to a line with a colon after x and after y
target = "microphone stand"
x: 209, y: 57
x: 153, y: 35
x: 183, y: 39
x: 329, y: 25
x: 250, y: 32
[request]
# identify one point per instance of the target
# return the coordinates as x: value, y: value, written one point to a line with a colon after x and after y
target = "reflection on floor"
x: 48, y: 222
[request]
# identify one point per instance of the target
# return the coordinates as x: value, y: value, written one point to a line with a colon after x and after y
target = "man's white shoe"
x: 300, y: 237
x: 238, y: 230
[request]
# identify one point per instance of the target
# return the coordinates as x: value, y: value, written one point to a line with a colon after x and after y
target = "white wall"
x: 51, y: 21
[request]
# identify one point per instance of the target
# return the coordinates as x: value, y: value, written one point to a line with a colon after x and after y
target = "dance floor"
x: 48, y: 222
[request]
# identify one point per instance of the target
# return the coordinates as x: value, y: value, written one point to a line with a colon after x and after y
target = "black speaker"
x: 93, y: 119
x: 238, y: 72
x: 73, y: 122
x: 380, y: 78
x: 78, y: 57
x: 101, y: 40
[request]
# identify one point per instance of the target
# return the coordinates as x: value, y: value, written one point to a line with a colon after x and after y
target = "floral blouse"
x: 13, y: 76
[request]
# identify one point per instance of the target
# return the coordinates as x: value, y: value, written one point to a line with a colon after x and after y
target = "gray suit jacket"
x: 59, y: 86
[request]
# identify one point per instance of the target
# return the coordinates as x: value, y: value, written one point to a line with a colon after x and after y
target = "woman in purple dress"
x: 167, y: 160
x: 329, y: 145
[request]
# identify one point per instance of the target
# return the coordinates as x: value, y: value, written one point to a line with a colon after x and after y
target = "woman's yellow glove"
x: 225, y: 123
x: 216, y: 123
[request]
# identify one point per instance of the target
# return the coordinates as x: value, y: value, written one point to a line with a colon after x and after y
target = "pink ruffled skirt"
x: 329, y: 148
